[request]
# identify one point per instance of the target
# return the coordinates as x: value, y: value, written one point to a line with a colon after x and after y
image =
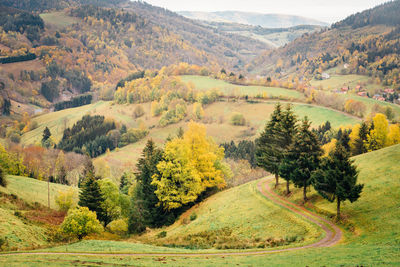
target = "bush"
x: 193, y: 216
x: 237, y: 119
x: 81, y: 222
x: 198, y: 111
x: 65, y: 200
x: 15, y: 137
x: 3, y: 181
x: 162, y: 234
x: 3, y: 243
x: 119, y: 227
x: 138, y: 112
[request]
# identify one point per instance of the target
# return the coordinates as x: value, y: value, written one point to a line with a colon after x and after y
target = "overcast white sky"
x: 328, y: 11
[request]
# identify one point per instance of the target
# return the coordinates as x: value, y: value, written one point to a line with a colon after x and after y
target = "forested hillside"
x: 83, y: 46
x: 366, y: 43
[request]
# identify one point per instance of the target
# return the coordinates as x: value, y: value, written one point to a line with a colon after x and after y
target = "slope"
x: 371, y: 230
x: 25, y: 220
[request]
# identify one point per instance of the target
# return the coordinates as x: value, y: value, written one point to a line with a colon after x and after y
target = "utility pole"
x: 48, y: 191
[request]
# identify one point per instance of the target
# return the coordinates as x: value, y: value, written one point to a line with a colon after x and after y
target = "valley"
x: 134, y: 135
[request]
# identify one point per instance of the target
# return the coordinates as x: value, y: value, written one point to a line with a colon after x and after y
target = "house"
x: 389, y: 91
x: 378, y: 97
x: 364, y: 94
x: 325, y: 76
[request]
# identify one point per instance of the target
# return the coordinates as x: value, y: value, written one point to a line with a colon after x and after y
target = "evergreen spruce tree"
x: 303, y: 157
x: 336, y: 178
x: 45, y: 137
x: 91, y: 197
x: 125, y: 182
x: 268, y: 148
x: 145, y: 200
x: 288, y: 130
x: 3, y: 181
x: 359, y: 146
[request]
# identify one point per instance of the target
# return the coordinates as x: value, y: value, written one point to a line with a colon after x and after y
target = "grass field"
x: 58, y: 19
x: 207, y: 83
x: 218, y: 126
x: 217, y: 122
x: 338, y: 81
x: 24, y: 224
x: 371, y: 230
x: 237, y: 217
x: 32, y: 190
x: 57, y: 121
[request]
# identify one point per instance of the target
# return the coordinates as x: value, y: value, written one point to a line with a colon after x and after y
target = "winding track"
x: 333, y: 234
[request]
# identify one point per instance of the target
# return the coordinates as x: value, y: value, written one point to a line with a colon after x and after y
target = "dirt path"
x: 332, y: 233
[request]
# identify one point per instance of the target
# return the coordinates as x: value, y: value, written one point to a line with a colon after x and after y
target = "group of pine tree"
x: 291, y: 150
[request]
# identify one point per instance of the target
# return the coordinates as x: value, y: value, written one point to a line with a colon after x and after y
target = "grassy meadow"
x: 32, y: 190
x: 58, y: 19
x: 205, y: 83
x: 23, y: 223
x: 237, y: 217
x: 217, y: 122
x: 371, y: 227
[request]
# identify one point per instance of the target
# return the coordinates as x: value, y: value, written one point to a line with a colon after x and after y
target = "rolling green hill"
x: 371, y: 227
x: 207, y: 83
x: 217, y: 122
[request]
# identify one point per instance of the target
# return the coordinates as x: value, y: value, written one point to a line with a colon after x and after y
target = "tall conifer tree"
x: 336, y: 178
x: 91, y: 197
x: 288, y: 131
x: 303, y: 157
x: 268, y: 145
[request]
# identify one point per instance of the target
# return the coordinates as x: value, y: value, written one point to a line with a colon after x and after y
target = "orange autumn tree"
x: 192, y: 164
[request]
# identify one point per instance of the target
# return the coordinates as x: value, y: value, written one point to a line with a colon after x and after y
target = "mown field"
x: 207, y: 83
x: 371, y: 228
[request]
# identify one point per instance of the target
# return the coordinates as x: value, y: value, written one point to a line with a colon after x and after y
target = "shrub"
x: 138, y: 112
x: 65, y: 200
x: 119, y: 227
x: 238, y: 119
x: 162, y: 234
x: 3, y: 243
x: 81, y: 222
x: 193, y: 216
x: 198, y: 111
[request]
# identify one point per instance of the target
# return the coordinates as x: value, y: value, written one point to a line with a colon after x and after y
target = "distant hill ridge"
x: 255, y: 19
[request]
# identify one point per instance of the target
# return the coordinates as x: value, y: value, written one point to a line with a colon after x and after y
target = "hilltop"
x: 254, y: 19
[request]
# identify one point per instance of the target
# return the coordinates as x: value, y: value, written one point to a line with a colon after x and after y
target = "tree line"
x: 12, y: 59
x: 290, y: 150
x: 74, y: 102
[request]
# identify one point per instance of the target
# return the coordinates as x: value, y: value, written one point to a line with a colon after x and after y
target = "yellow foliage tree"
x: 378, y: 137
x: 191, y: 164
x: 394, y: 135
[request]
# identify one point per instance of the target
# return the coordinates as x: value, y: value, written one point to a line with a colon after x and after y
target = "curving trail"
x: 333, y: 234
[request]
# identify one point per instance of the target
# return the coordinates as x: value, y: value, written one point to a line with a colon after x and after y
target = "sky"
x: 323, y: 10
